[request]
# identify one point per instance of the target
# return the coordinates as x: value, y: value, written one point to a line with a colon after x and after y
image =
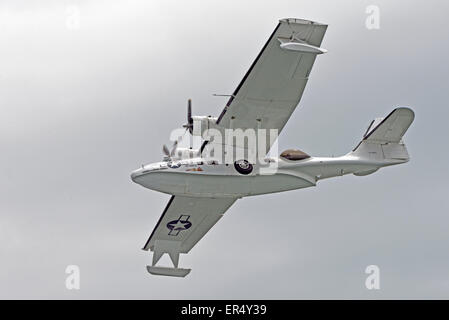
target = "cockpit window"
x: 295, y: 155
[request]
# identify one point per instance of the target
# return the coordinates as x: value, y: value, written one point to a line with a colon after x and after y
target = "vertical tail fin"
x: 383, y: 138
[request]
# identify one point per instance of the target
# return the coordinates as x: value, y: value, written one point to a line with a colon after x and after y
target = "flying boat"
x: 203, y: 184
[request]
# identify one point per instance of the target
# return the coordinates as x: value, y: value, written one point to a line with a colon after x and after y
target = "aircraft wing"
x: 272, y: 88
x: 183, y: 223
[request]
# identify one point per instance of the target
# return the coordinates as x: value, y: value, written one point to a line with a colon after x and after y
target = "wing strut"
x: 173, y: 248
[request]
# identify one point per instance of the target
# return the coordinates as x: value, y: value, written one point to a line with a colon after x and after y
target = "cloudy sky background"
x: 81, y: 106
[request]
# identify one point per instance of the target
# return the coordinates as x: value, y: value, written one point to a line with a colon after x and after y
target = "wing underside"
x: 186, y: 220
x: 273, y: 86
x: 183, y: 223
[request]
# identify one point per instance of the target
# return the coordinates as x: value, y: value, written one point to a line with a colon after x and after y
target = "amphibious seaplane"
x: 204, y: 187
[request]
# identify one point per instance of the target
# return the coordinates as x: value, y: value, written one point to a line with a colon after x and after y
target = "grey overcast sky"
x: 90, y: 90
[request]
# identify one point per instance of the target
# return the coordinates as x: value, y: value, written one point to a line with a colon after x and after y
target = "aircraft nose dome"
x: 135, y: 174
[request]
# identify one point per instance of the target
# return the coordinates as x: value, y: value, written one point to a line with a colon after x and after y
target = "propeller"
x: 189, y: 124
x: 165, y: 150
x: 170, y: 153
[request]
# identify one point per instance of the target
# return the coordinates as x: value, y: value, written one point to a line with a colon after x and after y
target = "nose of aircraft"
x: 135, y: 174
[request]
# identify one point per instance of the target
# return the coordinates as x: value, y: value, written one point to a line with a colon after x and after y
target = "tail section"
x: 382, y: 140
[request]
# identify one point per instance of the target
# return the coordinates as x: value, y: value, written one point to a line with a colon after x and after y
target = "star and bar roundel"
x: 176, y: 226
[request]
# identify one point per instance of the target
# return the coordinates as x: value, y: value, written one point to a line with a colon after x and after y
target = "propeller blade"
x: 189, y: 124
x: 173, y: 149
x: 165, y: 150
x: 189, y: 116
x: 189, y: 111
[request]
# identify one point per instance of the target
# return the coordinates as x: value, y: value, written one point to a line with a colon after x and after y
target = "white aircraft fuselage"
x: 198, y: 178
